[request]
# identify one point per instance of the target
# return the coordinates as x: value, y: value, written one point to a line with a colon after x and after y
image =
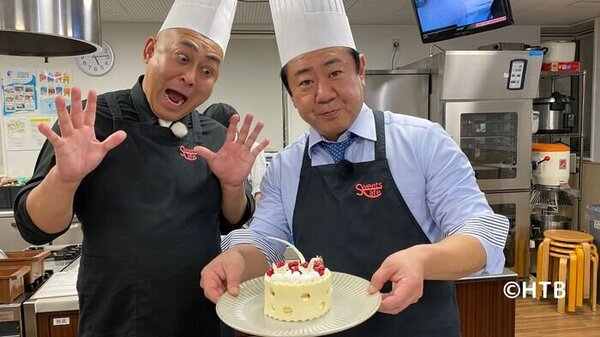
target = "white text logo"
x: 514, y: 289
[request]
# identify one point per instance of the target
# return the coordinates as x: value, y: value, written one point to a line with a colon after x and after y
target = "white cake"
x: 297, y: 292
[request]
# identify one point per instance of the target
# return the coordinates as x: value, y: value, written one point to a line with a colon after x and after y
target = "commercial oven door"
x: 515, y: 206
x: 496, y: 137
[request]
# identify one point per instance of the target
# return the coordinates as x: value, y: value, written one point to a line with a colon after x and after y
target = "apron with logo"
x: 353, y: 215
x: 150, y: 215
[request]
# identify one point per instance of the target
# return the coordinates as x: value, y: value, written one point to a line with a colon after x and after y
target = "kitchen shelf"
x: 551, y: 135
x: 546, y: 74
x: 578, y: 135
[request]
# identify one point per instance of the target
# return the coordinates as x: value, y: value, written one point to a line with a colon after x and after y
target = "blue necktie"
x: 337, y: 150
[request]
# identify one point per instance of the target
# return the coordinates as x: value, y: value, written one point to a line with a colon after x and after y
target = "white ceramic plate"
x: 351, y: 305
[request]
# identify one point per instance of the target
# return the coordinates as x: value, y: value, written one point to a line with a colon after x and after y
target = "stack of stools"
x: 562, y: 249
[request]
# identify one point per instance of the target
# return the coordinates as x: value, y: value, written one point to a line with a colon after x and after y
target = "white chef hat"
x: 302, y: 26
x: 211, y: 18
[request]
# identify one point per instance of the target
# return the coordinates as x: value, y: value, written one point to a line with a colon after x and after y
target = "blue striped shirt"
x: 433, y: 175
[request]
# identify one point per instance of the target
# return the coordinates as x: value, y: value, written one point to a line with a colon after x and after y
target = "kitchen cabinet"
x: 484, y: 309
x: 58, y: 324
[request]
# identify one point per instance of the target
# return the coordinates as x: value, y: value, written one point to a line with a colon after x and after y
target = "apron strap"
x: 196, y: 127
x: 380, y: 132
x: 113, y: 106
x: 306, y: 162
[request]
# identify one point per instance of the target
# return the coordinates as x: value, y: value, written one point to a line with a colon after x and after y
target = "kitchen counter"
x: 54, y: 305
x: 59, y: 293
x: 46, y: 300
x: 506, y: 274
x: 484, y: 310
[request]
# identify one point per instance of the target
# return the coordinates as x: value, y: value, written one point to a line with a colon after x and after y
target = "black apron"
x: 353, y: 215
x: 150, y: 222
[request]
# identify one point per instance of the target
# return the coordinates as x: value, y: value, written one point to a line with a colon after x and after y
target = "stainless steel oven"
x: 515, y: 206
x: 496, y: 137
x: 484, y: 101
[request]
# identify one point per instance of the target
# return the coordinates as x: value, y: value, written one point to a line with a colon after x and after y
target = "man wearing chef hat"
x: 148, y: 177
x: 387, y: 197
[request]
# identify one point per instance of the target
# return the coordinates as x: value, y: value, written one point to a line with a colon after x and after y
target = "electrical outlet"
x: 396, y: 43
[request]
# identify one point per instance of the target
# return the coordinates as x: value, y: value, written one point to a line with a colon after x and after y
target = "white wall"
x: 250, y: 75
x: 249, y: 81
x: 376, y: 42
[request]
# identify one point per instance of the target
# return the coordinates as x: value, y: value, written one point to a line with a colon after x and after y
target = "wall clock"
x: 98, y: 63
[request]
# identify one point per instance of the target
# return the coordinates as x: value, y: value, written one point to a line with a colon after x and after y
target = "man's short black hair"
x: 221, y: 112
x: 283, y: 73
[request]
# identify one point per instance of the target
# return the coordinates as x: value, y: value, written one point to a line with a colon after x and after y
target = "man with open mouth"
x: 149, y: 179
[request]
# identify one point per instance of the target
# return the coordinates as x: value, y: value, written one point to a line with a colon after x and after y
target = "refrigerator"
x: 399, y: 91
x: 484, y: 101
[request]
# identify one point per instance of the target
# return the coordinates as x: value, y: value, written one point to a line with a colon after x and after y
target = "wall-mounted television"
x: 446, y: 19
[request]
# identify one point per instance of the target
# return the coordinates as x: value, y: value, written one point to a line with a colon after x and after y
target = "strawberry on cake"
x: 297, y: 291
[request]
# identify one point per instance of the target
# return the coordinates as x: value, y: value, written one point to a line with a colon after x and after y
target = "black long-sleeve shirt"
x: 135, y: 108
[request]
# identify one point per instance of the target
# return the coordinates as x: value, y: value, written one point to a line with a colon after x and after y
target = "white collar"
x: 178, y: 128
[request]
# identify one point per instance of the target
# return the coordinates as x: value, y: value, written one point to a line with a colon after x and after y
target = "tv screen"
x: 446, y: 19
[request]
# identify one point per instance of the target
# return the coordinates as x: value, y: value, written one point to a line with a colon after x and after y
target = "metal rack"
x: 577, y: 136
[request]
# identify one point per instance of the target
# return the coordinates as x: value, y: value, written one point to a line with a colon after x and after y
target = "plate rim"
x: 219, y: 309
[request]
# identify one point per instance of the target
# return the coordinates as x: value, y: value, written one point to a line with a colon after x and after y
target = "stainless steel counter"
x: 506, y: 274
x: 64, y: 282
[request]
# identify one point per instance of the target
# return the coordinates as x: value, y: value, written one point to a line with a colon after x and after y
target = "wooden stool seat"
x: 571, y: 257
x: 568, y: 236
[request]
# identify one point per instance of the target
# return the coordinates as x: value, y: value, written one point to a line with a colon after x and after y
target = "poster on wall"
x: 22, y: 133
x: 52, y: 83
x: 19, y: 90
x: 28, y: 101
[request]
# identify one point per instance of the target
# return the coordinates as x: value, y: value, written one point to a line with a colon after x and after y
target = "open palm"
x: 233, y: 162
x: 77, y: 150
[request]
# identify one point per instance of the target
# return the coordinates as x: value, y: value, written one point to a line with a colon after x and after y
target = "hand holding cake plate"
x: 302, y: 299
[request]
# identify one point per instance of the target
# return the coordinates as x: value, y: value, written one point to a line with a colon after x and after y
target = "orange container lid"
x: 545, y: 147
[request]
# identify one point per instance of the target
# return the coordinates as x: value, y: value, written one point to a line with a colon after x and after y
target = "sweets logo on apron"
x: 370, y: 191
x: 189, y: 141
x: 187, y: 153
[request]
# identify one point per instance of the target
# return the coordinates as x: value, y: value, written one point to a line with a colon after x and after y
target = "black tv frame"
x: 455, y: 31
